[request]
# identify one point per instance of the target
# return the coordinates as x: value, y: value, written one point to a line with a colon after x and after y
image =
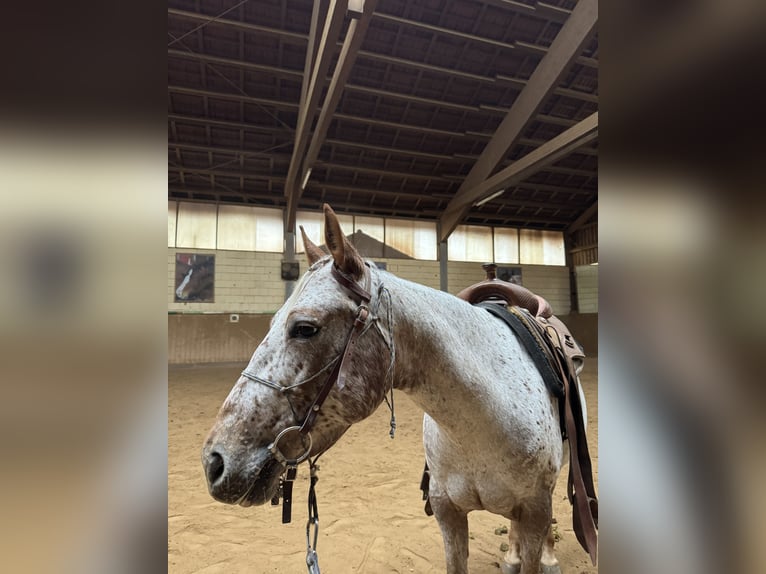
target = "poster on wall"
x: 510, y: 274
x: 195, y: 278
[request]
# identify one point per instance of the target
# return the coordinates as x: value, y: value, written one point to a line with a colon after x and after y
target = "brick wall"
x: 250, y: 284
x: 245, y: 282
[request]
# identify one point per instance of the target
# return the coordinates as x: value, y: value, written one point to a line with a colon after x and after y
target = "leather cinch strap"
x: 580, y: 489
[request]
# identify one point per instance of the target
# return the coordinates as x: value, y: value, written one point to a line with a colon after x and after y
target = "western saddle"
x: 560, y: 359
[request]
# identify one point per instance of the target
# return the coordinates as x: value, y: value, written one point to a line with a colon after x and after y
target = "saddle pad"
x: 557, y: 365
x: 534, y: 344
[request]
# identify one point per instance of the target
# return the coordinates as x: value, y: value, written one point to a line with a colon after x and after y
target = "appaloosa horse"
x: 349, y: 334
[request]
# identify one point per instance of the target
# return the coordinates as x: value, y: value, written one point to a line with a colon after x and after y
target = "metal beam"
x: 357, y: 29
x: 558, y: 189
x: 247, y: 195
x: 302, y: 38
x: 416, y: 99
x: 585, y: 216
x: 559, y: 91
x: 555, y: 149
x: 520, y: 218
x: 392, y: 150
x: 231, y: 124
x: 520, y: 141
x: 382, y: 172
x: 230, y: 151
x: 295, y: 37
x: 292, y: 106
x: 504, y: 202
x: 565, y: 48
x: 232, y: 96
x: 393, y: 194
x: 271, y: 70
x: 396, y: 126
x: 443, y: 31
x: 224, y: 173
x: 426, y: 67
x: 542, y: 50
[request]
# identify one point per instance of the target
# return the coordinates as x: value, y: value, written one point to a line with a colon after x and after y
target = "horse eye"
x: 304, y: 330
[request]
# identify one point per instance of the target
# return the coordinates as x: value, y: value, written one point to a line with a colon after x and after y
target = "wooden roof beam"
x: 584, y: 217
x: 333, y: 24
x: 357, y: 29
x: 550, y: 152
x: 566, y: 47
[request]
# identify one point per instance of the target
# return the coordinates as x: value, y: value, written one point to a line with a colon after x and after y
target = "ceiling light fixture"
x: 306, y: 179
x: 490, y: 198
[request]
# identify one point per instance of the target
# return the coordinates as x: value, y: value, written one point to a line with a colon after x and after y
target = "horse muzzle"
x: 251, y: 482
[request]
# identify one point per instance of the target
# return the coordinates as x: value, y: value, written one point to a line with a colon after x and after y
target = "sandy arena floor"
x: 370, y: 507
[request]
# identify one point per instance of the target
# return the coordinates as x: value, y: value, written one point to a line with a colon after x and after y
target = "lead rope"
x: 312, y: 559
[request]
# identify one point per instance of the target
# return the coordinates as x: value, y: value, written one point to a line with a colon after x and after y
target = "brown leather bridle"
x: 337, y: 376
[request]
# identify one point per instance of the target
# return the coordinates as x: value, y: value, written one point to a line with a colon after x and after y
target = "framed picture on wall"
x: 510, y: 274
x: 195, y: 278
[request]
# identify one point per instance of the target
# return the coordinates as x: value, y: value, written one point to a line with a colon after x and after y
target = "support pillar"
x: 289, y: 258
x: 443, y: 275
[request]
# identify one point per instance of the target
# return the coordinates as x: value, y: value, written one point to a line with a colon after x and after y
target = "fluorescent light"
x: 306, y: 179
x: 356, y: 7
x: 490, y: 198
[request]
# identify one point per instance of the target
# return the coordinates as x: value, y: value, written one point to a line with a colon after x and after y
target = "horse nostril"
x: 214, y: 468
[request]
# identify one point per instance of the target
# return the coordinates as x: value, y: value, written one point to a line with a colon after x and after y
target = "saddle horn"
x: 512, y: 294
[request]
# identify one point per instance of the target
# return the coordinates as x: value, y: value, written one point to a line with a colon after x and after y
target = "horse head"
x: 326, y: 341
x: 195, y: 281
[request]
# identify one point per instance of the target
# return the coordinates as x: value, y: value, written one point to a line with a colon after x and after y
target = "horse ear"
x: 347, y: 259
x: 313, y: 252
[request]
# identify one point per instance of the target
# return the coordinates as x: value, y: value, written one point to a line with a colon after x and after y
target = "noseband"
x: 338, y: 375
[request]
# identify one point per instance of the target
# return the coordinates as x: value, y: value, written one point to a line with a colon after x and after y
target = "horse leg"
x: 511, y: 563
x: 453, y: 523
x: 534, y: 526
x: 550, y: 564
x: 512, y: 559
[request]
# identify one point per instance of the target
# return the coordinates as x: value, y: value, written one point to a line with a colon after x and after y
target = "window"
x: 470, y: 243
x: 313, y: 224
x: 415, y: 238
x: 236, y: 228
x: 506, y: 245
x: 538, y: 247
x: 269, y: 230
x: 172, y: 213
x: 196, y: 226
x: 244, y: 228
x: 371, y: 226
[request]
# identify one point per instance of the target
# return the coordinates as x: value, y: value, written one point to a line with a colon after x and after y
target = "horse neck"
x: 434, y: 364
